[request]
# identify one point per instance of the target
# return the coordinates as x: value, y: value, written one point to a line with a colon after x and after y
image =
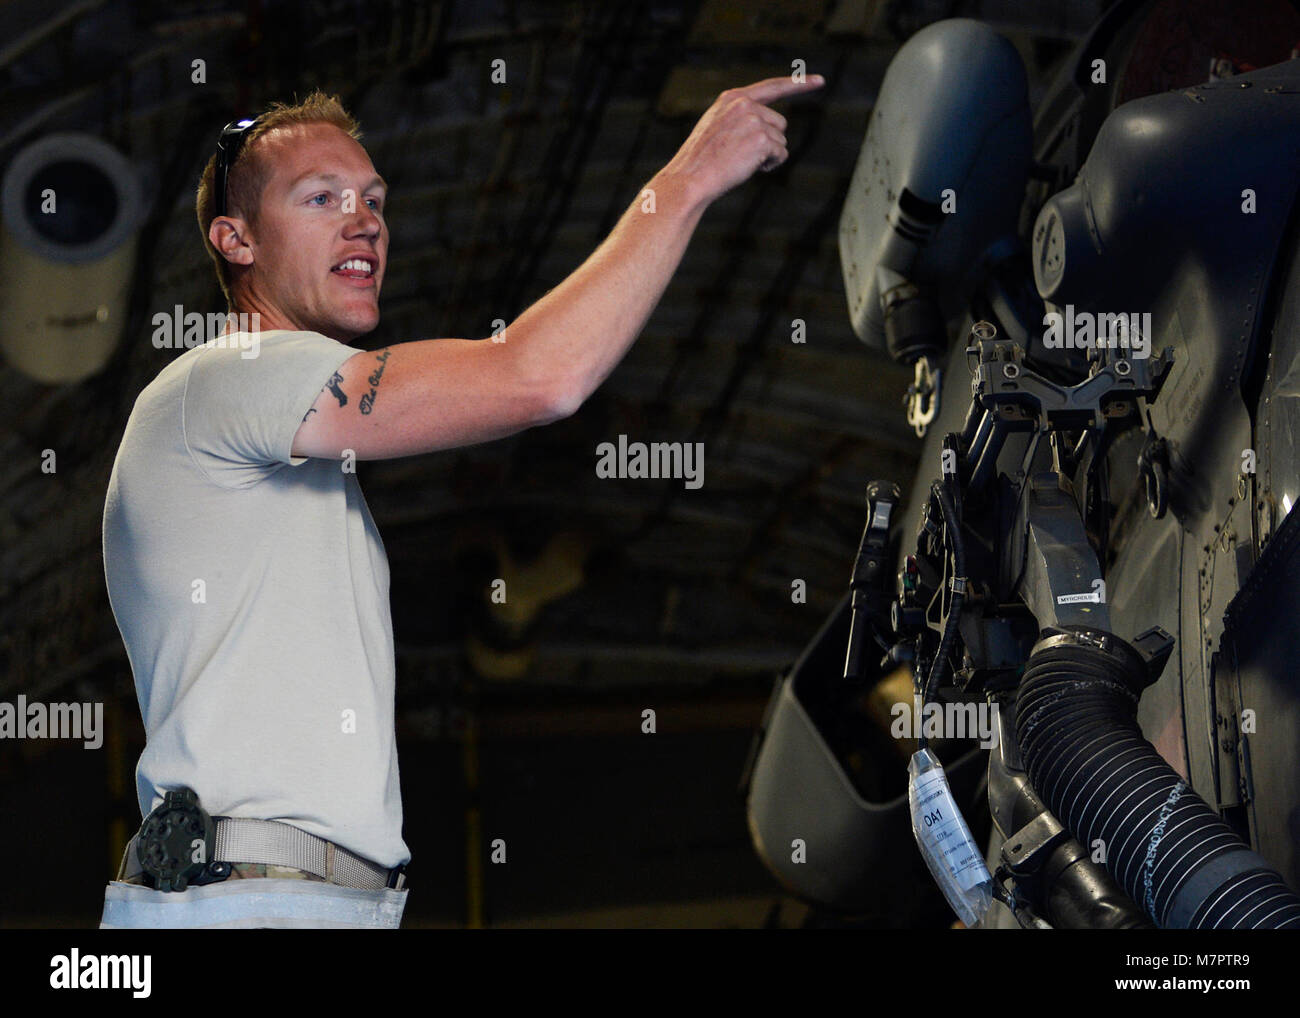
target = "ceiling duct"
x: 71, y: 208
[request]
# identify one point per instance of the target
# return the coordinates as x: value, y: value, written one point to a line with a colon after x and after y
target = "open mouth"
x: 355, y: 268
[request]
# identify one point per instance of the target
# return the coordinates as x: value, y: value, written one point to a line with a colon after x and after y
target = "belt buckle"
x: 397, y: 877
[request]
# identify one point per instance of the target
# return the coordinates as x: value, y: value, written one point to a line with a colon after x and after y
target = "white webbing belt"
x: 240, y: 840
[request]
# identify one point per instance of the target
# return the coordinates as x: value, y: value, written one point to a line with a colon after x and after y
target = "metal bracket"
x: 922, y: 396
x: 1025, y: 851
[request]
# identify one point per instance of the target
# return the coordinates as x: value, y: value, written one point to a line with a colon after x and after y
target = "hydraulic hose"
x: 953, y: 527
x: 949, y: 635
x: 1076, y: 723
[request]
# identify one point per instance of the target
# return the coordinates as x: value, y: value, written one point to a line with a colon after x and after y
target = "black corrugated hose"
x: 1076, y: 722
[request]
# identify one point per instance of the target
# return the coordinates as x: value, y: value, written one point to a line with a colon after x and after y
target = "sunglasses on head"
x: 228, y: 146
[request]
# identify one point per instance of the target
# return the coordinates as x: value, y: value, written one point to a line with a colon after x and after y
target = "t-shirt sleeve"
x: 240, y: 413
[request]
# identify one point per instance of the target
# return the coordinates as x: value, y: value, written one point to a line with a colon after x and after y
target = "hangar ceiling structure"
x: 498, y: 190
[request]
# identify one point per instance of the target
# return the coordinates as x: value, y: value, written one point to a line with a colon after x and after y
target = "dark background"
x: 642, y: 593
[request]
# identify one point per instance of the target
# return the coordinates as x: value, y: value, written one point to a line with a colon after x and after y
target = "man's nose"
x: 362, y: 222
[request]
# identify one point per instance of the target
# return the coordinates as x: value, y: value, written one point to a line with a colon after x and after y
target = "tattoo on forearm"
x: 310, y: 411
x: 368, y: 400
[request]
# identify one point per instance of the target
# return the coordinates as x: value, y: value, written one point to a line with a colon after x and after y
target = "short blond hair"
x: 248, y: 177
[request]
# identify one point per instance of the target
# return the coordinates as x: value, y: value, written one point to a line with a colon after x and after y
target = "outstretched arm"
x: 440, y: 393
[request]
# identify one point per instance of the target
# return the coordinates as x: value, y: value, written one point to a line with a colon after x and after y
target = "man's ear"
x: 227, y: 234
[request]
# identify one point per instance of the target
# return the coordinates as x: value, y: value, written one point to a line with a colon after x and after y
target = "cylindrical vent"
x: 71, y: 208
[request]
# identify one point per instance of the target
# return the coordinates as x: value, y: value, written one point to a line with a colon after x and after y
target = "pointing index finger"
x: 770, y: 89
